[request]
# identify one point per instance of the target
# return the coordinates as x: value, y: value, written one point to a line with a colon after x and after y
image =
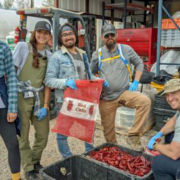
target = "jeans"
x: 165, y: 168
x: 64, y: 147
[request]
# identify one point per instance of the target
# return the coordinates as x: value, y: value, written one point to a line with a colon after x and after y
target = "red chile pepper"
x: 122, y: 160
x: 130, y: 168
x: 91, y: 109
x: 70, y: 105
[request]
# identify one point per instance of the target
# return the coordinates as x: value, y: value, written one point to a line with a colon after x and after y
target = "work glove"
x: 157, y: 136
x: 134, y: 86
x: 105, y: 83
x: 42, y: 113
x: 154, y: 140
x: 71, y: 83
x: 151, y: 144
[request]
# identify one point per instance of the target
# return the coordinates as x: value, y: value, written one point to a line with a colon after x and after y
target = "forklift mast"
x: 89, y: 21
x: 53, y: 15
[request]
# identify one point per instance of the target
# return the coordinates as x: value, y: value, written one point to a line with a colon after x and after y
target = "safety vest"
x: 120, y: 56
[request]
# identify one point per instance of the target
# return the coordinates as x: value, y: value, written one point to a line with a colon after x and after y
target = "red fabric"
x: 77, y: 115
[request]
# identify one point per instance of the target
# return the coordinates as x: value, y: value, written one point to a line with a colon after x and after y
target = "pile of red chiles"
x: 122, y: 160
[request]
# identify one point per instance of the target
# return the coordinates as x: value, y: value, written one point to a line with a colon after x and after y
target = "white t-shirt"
x: 177, y: 128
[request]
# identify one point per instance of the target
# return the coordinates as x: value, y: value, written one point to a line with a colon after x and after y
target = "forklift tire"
x: 52, y: 106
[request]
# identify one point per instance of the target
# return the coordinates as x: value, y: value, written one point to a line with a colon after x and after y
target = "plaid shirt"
x: 7, y: 68
x: 29, y: 92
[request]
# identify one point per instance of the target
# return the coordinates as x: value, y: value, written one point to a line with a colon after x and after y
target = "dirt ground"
x: 51, y: 153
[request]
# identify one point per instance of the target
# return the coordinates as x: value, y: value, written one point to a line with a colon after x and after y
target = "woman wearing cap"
x: 30, y: 60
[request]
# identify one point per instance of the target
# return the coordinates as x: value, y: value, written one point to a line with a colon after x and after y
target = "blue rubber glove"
x: 71, y: 83
x: 134, y: 86
x: 151, y: 143
x: 157, y: 136
x: 105, y: 83
x: 42, y: 113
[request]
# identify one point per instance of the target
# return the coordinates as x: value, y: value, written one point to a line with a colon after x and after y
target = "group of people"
x: 26, y: 80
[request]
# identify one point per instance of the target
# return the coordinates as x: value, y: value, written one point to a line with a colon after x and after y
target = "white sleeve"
x: 49, y: 54
x: 20, y: 53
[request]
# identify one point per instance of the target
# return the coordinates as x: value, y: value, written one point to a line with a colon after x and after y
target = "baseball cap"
x: 42, y: 25
x: 108, y: 29
x: 171, y: 86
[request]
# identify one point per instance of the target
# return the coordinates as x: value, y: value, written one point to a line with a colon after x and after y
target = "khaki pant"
x: 30, y: 156
x: 128, y: 99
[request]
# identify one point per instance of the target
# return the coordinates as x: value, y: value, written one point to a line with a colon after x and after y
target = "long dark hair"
x: 35, y: 52
x: 60, y: 33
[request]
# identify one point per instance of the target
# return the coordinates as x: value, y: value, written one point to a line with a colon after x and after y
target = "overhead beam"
x: 56, y: 3
x: 112, y: 13
x: 87, y: 6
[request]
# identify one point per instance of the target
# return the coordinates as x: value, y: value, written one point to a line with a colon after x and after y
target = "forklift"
x: 53, y: 15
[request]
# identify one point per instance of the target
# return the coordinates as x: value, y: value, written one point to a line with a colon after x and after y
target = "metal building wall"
x: 73, y: 5
x: 95, y: 6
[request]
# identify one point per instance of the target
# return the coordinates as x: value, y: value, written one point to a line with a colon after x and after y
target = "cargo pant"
x: 128, y: 99
x: 30, y: 156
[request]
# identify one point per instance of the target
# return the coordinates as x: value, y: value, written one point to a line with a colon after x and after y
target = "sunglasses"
x: 66, y: 35
x: 108, y: 35
x: 41, y: 56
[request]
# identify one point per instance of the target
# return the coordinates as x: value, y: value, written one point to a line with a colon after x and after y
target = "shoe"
x: 37, y: 167
x: 135, y: 143
x: 32, y: 175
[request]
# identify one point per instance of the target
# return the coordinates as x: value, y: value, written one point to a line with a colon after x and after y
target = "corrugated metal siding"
x: 95, y: 6
x: 73, y: 5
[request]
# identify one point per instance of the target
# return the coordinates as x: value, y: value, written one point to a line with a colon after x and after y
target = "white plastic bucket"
x: 125, y: 117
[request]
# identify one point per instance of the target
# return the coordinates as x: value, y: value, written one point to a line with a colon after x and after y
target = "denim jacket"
x: 61, y: 67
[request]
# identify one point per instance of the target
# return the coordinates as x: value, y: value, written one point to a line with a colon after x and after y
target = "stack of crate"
x: 162, y: 111
x: 170, y: 35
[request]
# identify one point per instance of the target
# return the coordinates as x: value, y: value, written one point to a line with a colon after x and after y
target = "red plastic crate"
x: 168, y: 24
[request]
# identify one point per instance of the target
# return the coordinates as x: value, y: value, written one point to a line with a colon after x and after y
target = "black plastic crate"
x: 80, y: 168
x: 161, y: 116
x: 160, y: 102
x: 84, y: 168
x: 124, y: 175
x: 161, y: 121
x: 164, y: 112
